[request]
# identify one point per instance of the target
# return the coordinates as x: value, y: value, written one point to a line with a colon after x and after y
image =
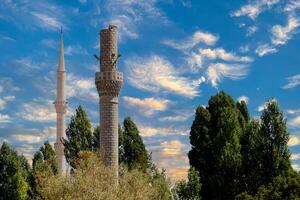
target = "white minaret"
x: 60, y: 107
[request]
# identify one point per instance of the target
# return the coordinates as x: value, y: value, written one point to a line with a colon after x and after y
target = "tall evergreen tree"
x: 45, y: 158
x: 275, y: 152
x: 190, y: 189
x: 79, y: 136
x: 215, y: 139
x: 134, y: 153
x: 252, y: 145
x: 14, y: 175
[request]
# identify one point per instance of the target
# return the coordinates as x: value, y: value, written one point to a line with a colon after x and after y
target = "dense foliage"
x: 79, y: 136
x: 15, y: 174
x: 93, y: 181
x: 239, y: 157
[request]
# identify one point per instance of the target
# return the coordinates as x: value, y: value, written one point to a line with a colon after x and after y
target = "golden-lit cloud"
x: 147, y: 106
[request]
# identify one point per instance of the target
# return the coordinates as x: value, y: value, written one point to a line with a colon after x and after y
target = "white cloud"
x: 27, y: 138
x: 38, y: 110
x: 4, y: 101
x: 27, y: 63
x: 198, y: 37
x: 9, y: 98
x: 296, y: 167
x: 158, y: 74
x: 293, y: 81
x: 292, y: 5
x: 216, y: 72
x: 127, y: 15
x: 46, y: 21
x: 147, y: 106
x: 281, y: 34
x: 294, y: 122
x: 293, y: 111
x: 147, y: 131
x: 172, y: 148
x: 265, y: 49
x: 196, y: 60
x: 253, y: 9
x: 243, y: 98
x: 295, y: 156
x: 294, y: 141
x: 126, y: 26
x: 32, y: 14
x: 251, y: 30
x: 81, y: 88
x: 75, y: 49
x: 244, y: 48
x: 4, y: 118
x: 176, y: 118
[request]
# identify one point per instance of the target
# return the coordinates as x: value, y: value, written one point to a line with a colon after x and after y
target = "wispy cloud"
x: 127, y: 15
x: 81, y: 88
x: 148, y: 131
x: 190, y: 42
x: 294, y: 140
x: 253, y: 9
x: 216, y: 72
x: 295, y: 156
x: 265, y: 49
x: 251, y: 30
x: 41, y: 14
x: 4, y: 118
x: 75, y: 49
x: 294, y: 122
x: 38, y: 110
x: 280, y: 35
x: 46, y: 21
x: 293, y: 111
x: 176, y: 118
x: 158, y: 74
x: 292, y: 6
x: 197, y: 59
x: 293, y: 81
x: 27, y: 63
x: 4, y: 100
x: 147, y: 106
x: 172, y: 148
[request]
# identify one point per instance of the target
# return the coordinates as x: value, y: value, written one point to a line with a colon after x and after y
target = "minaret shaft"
x: 61, y: 109
x: 109, y: 82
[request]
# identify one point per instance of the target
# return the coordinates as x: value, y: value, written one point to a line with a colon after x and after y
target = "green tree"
x: 191, y: 189
x: 14, y: 174
x: 133, y: 151
x: 215, y: 154
x: 79, y: 136
x: 275, y: 153
x: 252, y: 145
x: 45, y: 158
x: 96, y: 139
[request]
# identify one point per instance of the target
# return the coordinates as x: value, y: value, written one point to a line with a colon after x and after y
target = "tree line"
x: 232, y: 156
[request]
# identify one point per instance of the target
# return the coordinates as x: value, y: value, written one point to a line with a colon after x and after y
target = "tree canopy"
x: 239, y: 157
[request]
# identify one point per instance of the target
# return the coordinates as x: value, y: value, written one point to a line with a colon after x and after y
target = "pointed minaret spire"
x: 60, y: 107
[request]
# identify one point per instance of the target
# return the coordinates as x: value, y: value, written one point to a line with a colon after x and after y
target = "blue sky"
x: 176, y: 54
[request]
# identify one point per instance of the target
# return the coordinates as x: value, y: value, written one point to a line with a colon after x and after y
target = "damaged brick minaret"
x: 109, y: 82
